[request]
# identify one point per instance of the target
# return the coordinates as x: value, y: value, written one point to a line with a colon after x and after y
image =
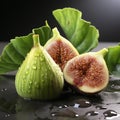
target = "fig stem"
x: 46, y: 23
x: 56, y: 32
x: 102, y: 52
x: 36, y: 40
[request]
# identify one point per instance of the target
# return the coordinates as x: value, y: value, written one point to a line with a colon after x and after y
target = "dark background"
x: 18, y: 18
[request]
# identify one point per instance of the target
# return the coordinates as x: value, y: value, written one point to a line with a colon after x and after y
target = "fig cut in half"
x: 87, y: 72
x: 60, y: 49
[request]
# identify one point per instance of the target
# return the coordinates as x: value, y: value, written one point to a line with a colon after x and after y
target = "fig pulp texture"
x: 60, y: 49
x: 87, y: 72
x: 39, y: 77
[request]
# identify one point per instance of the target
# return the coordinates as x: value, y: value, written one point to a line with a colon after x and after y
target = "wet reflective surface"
x: 71, y: 106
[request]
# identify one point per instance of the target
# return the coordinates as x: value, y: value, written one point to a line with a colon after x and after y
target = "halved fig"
x: 60, y: 49
x: 87, y: 72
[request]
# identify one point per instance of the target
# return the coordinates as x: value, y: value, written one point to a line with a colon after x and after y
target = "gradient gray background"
x: 19, y: 18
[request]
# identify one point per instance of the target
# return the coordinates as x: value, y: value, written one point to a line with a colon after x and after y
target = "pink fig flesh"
x: 88, y: 73
x: 60, y: 49
x: 61, y: 52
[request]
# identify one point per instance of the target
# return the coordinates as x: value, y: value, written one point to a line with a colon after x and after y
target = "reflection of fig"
x: 60, y: 49
x: 39, y: 77
x: 87, y: 72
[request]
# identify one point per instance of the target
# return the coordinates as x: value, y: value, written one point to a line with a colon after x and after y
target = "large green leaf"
x: 22, y: 44
x: 7, y: 59
x: 45, y: 34
x: 79, y: 32
x: 16, y: 50
x: 113, y: 60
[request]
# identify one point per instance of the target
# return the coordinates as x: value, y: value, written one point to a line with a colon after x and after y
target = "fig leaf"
x: 45, y: 34
x: 79, y: 32
x: 113, y: 60
x: 16, y: 50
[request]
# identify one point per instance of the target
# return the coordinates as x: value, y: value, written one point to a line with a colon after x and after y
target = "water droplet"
x: 35, y: 83
x: 67, y: 112
x: 26, y: 72
x: 7, y: 115
x: 100, y: 107
x: 82, y: 103
x: 34, y: 67
x: 41, y: 59
x: 76, y: 105
x: 37, y: 55
x: 76, y: 115
x: 30, y: 82
x: 24, y: 77
x: 28, y: 67
x: 29, y: 87
x: 3, y: 89
x: 63, y: 106
x: 115, y: 87
x: 110, y: 113
x: 27, y: 99
x: 53, y: 114
x: 92, y: 113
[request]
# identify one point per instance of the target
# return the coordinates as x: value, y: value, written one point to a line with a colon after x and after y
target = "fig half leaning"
x: 87, y: 72
x: 60, y: 49
x: 39, y: 77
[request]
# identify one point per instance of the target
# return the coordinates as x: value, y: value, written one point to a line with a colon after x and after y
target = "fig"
x: 88, y: 72
x: 39, y: 77
x: 60, y: 49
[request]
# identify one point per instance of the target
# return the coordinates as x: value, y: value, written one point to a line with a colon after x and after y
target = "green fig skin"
x: 39, y: 77
x: 88, y: 72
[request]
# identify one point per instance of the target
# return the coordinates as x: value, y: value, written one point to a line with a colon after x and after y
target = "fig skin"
x: 88, y: 72
x: 39, y: 77
x: 60, y: 49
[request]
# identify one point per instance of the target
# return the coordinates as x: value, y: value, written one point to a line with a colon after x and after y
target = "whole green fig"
x: 39, y: 77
